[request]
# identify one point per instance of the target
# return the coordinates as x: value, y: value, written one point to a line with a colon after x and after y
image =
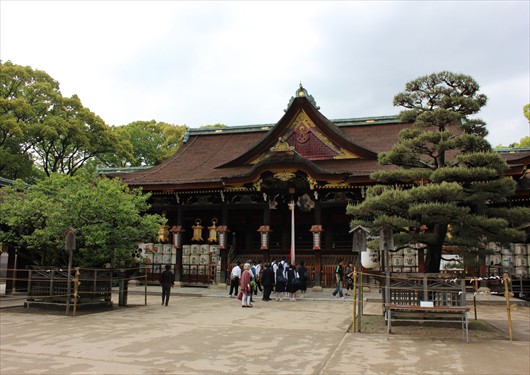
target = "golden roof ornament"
x: 281, y: 146
x: 301, y: 93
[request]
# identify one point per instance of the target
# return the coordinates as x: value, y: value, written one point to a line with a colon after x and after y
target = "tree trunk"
x: 434, y: 252
x: 433, y: 259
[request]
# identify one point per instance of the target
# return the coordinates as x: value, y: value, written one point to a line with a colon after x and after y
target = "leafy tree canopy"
x: 449, y: 187
x: 148, y: 143
x: 38, y: 126
x: 213, y: 126
x: 108, y: 217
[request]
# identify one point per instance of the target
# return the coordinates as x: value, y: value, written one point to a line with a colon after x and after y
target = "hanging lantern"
x: 317, y: 237
x: 386, y: 243
x: 222, y: 230
x: 197, y: 231
x: 177, y: 236
x: 359, y: 239
x: 212, y: 234
x: 163, y: 234
x: 264, y: 236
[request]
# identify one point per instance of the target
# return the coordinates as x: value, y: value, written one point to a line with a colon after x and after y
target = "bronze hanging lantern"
x: 222, y: 231
x: 317, y: 238
x: 264, y: 236
x: 177, y: 236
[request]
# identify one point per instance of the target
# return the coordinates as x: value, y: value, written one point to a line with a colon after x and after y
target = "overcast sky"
x: 239, y: 63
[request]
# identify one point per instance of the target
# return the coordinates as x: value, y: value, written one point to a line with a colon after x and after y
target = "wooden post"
x: 69, y: 247
x: 386, y: 243
x: 354, y: 292
x: 358, y: 247
x: 145, y: 285
x: 360, y: 294
x: 11, y: 269
x: 475, y: 298
x: 507, y: 295
x: 76, y: 287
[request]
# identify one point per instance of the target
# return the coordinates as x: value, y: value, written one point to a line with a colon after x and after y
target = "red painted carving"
x: 311, y: 148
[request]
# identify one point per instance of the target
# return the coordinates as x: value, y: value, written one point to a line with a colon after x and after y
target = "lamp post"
x: 69, y: 247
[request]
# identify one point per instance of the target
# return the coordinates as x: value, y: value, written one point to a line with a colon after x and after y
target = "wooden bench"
x: 426, y: 300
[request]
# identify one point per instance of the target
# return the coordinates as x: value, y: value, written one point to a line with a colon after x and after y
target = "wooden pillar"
x: 317, y: 254
x: 267, y: 222
x: 223, y: 253
x: 178, y: 257
x: 318, y: 269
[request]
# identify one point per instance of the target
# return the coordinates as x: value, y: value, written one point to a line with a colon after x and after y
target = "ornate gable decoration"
x: 303, y: 133
x: 282, y: 146
x: 304, y: 137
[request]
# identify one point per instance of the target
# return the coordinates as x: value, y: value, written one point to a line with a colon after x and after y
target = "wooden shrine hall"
x: 230, y: 188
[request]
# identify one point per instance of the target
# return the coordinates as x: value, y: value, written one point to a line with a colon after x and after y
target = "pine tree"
x: 442, y: 184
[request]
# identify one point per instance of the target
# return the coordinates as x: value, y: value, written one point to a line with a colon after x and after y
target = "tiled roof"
x: 211, y: 157
x: 195, y: 163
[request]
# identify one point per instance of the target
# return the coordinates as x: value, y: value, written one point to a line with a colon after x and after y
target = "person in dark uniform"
x: 267, y: 280
x: 339, y: 274
x: 167, y: 280
x: 281, y: 282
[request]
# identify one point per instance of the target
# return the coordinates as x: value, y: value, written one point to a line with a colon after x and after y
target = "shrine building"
x: 227, y: 192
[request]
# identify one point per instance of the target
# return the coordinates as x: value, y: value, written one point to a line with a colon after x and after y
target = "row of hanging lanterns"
x: 218, y: 234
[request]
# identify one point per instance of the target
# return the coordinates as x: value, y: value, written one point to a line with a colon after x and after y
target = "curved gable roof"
x: 302, y: 125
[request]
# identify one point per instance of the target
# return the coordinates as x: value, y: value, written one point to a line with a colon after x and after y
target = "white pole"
x: 292, y: 234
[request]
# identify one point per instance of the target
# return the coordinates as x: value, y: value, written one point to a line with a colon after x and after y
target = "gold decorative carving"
x: 284, y: 176
x: 312, y: 182
x: 344, y: 154
x: 337, y: 185
x: 281, y: 146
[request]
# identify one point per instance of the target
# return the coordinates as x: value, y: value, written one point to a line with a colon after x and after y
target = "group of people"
x: 339, y: 278
x: 283, y: 278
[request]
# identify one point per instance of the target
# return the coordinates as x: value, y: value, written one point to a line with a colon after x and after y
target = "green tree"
x: 148, y: 143
x: 449, y: 187
x: 109, y: 219
x: 212, y: 126
x: 38, y: 124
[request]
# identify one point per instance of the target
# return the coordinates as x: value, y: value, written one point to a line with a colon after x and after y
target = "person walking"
x: 167, y: 280
x: 349, y: 280
x: 258, y: 277
x: 235, y: 276
x: 339, y: 274
x: 245, y: 286
x: 302, y: 272
x: 267, y: 280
